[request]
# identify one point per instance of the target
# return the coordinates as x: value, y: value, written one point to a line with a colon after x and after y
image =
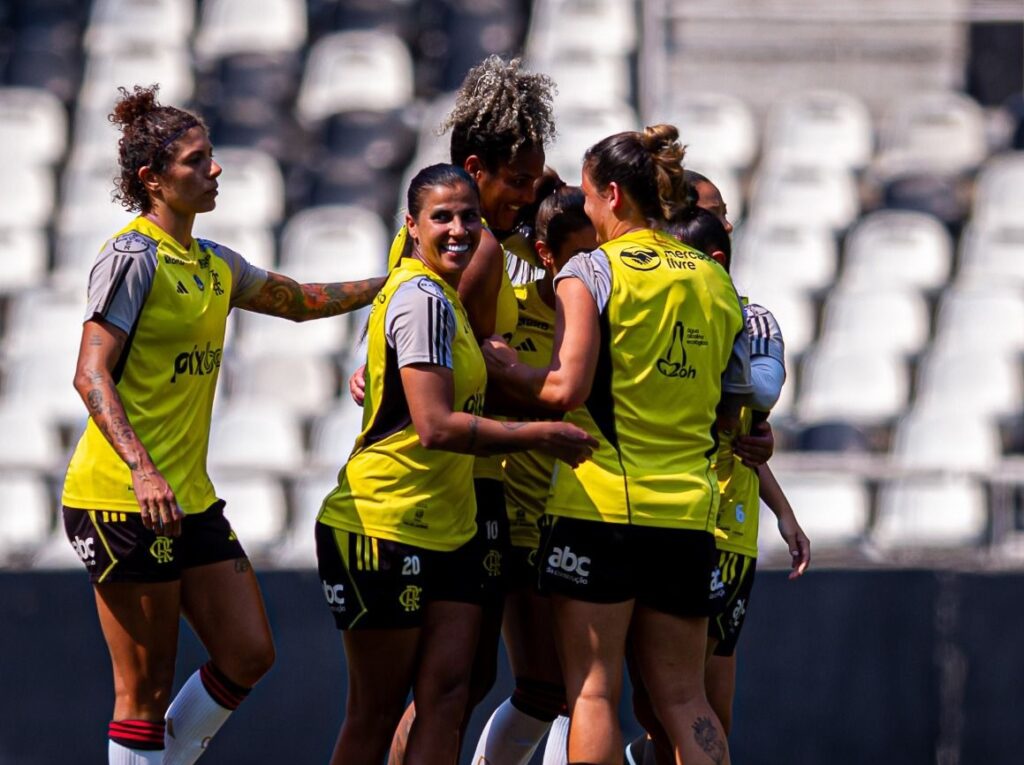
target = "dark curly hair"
x: 499, y: 110
x: 148, y: 134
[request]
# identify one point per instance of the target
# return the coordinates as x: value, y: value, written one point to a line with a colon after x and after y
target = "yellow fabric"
x: 392, y: 487
x: 740, y: 504
x: 528, y: 474
x: 167, y: 384
x: 667, y: 335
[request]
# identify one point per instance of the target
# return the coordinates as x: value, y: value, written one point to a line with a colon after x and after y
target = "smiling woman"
x: 137, y: 494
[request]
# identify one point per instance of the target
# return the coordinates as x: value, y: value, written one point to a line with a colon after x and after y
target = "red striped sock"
x: 221, y: 689
x: 137, y: 734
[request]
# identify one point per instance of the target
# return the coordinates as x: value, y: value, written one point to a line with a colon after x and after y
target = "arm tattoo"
x: 242, y: 565
x: 284, y: 297
x: 707, y: 738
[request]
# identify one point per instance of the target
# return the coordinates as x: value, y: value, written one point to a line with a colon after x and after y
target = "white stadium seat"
x: 941, y: 132
x: 26, y: 518
x: 42, y: 383
x: 334, y: 242
x: 27, y: 197
x: 865, y: 388
x: 255, y: 435
x: 930, y: 512
x: 579, y: 128
x: 32, y: 442
x: 355, y: 70
x: 260, y: 335
x: 953, y: 440
x: 33, y: 127
x: 304, y: 385
x: 24, y: 258
x: 610, y: 25
x: 977, y: 382
x: 897, y: 248
x: 256, y: 507
x: 161, y: 22
x: 44, y: 321
x: 716, y: 128
x: 819, y: 127
x: 991, y: 255
x: 989, y: 319
x: 785, y: 256
x: 833, y: 510
x: 999, y: 194
x: 786, y: 193
x: 334, y: 434
x: 251, y: 190
x: 228, y: 27
x: 882, y: 319
x: 299, y: 549
x: 255, y: 244
x: 575, y: 70
x: 136, y: 63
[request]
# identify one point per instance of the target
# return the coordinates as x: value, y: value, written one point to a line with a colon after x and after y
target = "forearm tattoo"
x: 284, y: 297
x: 706, y: 735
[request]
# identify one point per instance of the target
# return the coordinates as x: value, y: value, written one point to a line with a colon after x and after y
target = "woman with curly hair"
x: 139, y: 507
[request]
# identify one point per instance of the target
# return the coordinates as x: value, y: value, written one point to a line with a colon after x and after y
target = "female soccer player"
x: 649, y: 352
x: 562, y: 229
x: 139, y: 507
x: 396, y: 540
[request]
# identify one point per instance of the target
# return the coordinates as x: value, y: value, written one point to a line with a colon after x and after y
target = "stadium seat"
x: 989, y: 319
x: 864, y: 388
x: 793, y: 311
x: 718, y: 130
x: 256, y: 245
x: 255, y: 435
x: 159, y: 22
x: 42, y: 383
x: 382, y: 140
x: 608, y: 25
x: 785, y: 256
x: 579, y: 128
x: 897, y: 249
x: 999, y: 194
x: 27, y: 518
x: 947, y: 439
x: 575, y: 70
x: 346, y: 71
x: 979, y: 382
x: 939, y: 195
x: 136, y: 63
x: 930, y: 512
x: 884, y: 319
x: 304, y: 385
x: 261, y: 335
x: 833, y: 437
x: 334, y: 434
x: 33, y: 127
x: 833, y: 510
x: 251, y: 190
x: 299, y: 548
x: 819, y: 127
x: 270, y: 77
x: 44, y: 321
x: 467, y: 32
x: 32, y: 443
x: 27, y: 197
x: 940, y: 132
x: 804, y: 195
x: 24, y: 258
x: 991, y: 255
x: 37, y: 64
x: 256, y: 507
x: 228, y: 27
x: 334, y: 242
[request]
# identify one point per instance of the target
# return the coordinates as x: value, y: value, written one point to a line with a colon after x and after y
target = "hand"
x: 567, y: 442
x: 157, y: 503
x: 357, y: 385
x: 755, y: 449
x: 798, y: 543
x: 498, y: 354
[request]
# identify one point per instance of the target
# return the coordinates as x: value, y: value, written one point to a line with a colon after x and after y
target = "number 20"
x: 411, y: 565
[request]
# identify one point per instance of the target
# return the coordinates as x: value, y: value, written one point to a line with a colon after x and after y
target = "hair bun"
x: 656, y: 138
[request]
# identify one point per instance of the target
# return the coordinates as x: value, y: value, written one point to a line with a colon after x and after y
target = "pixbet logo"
x: 570, y: 562
x: 84, y: 548
x: 197, y: 362
x: 335, y: 595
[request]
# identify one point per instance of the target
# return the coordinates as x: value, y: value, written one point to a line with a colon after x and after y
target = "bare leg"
x: 591, y: 639
x: 720, y: 682
x: 140, y: 624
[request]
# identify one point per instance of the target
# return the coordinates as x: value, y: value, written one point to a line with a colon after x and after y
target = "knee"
x: 540, y: 700
x: 247, y: 667
x: 148, y: 689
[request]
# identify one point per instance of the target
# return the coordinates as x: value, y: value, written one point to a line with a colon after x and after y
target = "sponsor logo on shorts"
x: 161, y: 550
x: 717, y: 585
x: 492, y: 563
x: 566, y: 564
x: 738, y: 612
x: 410, y: 598
x: 197, y: 362
x: 335, y: 595
x: 84, y: 548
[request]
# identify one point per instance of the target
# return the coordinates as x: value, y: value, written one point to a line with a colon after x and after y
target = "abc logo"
x: 335, y: 594
x: 570, y: 562
x: 84, y: 548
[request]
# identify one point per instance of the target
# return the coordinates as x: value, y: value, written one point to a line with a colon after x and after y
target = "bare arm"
x: 284, y: 297
x: 565, y: 384
x: 429, y: 391
x: 789, y: 528
x: 102, y: 345
x: 480, y: 284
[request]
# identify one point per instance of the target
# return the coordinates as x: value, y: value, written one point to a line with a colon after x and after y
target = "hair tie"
x: 179, y: 133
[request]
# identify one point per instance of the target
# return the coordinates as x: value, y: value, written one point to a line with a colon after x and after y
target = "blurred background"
x: 872, y: 158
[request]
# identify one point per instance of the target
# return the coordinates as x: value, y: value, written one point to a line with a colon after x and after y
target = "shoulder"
x: 761, y: 321
x: 133, y: 243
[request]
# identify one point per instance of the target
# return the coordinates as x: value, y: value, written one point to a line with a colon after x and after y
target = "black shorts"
x: 521, y: 571
x: 664, y: 569
x: 374, y: 583
x: 733, y: 578
x: 116, y: 547
x: 493, y: 538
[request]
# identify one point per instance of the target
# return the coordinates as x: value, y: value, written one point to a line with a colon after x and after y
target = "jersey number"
x: 411, y: 565
x: 492, y: 529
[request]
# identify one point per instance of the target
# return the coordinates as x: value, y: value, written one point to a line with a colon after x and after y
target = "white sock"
x: 192, y: 720
x: 122, y: 755
x: 556, y: 751
x: 510, y: 737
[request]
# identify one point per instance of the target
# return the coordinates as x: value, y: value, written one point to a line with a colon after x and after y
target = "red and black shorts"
x: 664, y: 569
x: 115, y: 546
x: 372, y: 583
x: 731, y: 584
